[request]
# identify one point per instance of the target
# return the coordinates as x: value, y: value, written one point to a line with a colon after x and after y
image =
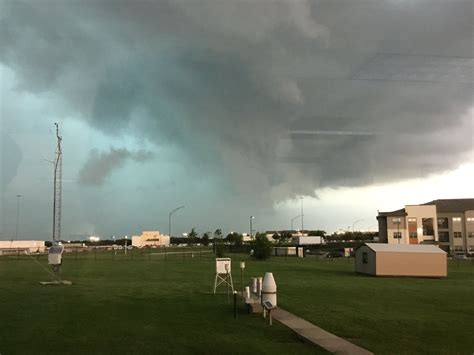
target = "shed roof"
x: 405, y: 248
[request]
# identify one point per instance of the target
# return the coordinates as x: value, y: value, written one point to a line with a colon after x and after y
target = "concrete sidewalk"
x: 316, y: 335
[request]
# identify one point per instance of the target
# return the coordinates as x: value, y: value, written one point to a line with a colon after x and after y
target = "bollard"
x: 259, y: 286
x: 253, y: 283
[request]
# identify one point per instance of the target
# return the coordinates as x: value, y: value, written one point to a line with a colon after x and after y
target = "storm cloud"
x: 101, y: 164
x: 242, y: 88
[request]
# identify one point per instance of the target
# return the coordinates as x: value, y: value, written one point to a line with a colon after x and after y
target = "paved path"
x: 316, y: 335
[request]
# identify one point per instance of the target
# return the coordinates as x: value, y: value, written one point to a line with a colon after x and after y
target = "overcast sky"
x: 232, y: 108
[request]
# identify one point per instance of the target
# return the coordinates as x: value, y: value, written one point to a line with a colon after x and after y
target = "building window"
x: 470, y: 234
x: 457, y: 235
x: 397, y: 221
x: 470, y: 220
x: 412, y: 229
x: 458, y: 248
x: 365, y: 259
x: 456, y: 219
x: 443, y: 222
x: 427, y: 226
x: 443, y: 236
x: 397, y: 235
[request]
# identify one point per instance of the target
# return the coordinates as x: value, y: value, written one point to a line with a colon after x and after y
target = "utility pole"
x: 57, y: 197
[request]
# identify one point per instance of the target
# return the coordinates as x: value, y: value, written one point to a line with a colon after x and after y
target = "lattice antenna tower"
x: 58, y: 172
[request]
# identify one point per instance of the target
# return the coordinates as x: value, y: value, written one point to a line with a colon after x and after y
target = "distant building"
x: 74, y: 247
x: 94, y: 238
x: 21, y: 246
x: 308, y: 240
x: 401, y: 260
x: 150, y: 239
x: 446, y: 223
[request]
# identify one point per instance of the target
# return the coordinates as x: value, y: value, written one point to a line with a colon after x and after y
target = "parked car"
x: 334, y: 254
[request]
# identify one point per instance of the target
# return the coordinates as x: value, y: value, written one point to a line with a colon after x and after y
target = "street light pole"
x: 251, y: 228
x: 302, y: 215
x: 169, y: 219
x: 353, y: 224
x: 17, y: 215
x: 292, y: 220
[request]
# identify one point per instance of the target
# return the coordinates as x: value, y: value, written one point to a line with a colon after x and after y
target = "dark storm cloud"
x: 101, y: 164
x: 226, y: 83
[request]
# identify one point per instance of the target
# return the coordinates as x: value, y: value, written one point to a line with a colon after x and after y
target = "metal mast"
x: 58, y: 171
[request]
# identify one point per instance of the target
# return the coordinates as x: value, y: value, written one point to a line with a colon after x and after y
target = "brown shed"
x: 401, y: 260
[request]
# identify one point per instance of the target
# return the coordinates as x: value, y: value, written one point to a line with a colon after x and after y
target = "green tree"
x: 262, y: 247
x: 192, y: 236
x: 205, y: 239
x: 218, y: 247
x: 276, y: 237
x: 234, y: 238
x: 285, y: 237
x: 316, y: 233
x: 218, y: 233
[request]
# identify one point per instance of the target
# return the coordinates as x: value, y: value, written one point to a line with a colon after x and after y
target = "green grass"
x: 143, y: 304
x: 384, y: 315
x: 129, y: 307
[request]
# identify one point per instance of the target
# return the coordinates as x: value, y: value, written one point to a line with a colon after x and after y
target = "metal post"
x: 235, y: 304
x: 228, y: 287
x: 242, y: 283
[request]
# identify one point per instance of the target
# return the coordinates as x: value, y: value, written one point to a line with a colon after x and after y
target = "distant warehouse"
x: 401, y: 260
x: 150, y: 239
x: 21, y: 246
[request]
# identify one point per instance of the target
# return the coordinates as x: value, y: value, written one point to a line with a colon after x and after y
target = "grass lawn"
x: 143, y: 304
x: 384, y: 315
x: 130, y: 306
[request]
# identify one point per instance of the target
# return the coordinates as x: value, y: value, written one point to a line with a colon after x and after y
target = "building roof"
x: 447, y: 206
x: 400, y: 212
x: 453, y: 205
x: 405, y: 248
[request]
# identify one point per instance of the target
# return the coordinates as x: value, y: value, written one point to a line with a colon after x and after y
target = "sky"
x: 232, y: 109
